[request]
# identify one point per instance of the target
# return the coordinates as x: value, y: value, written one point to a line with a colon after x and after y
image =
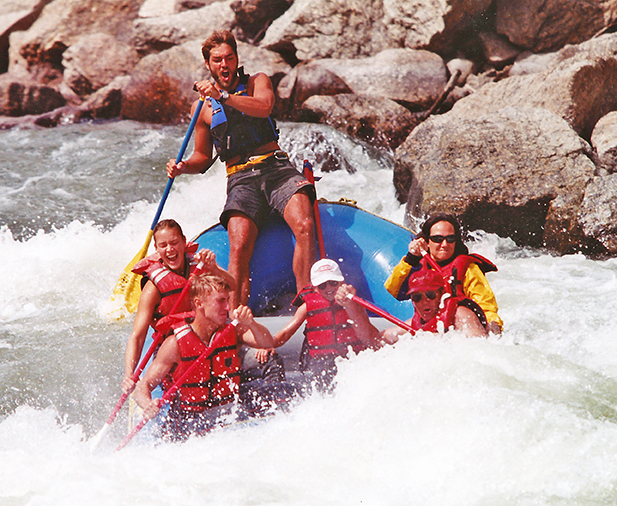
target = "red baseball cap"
x: 424, y: 280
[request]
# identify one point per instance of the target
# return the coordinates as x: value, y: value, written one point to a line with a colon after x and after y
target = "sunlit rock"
x: 516, y: 172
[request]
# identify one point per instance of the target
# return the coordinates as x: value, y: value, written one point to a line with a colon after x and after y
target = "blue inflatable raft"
x: 366, y: 246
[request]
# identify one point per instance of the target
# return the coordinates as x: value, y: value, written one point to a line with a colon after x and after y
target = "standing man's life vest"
x: 328, y: 330
x: 444, y: 319
x: 240, y: 134
x: 217, y: 380
x: 454, y: 272
x: 168, y: 283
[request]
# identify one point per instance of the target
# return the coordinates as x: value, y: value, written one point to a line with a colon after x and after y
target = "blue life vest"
x: 237, y: 134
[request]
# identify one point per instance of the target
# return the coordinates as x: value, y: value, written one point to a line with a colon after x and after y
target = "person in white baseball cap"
x: 325, y: 270
x: 334, y: 323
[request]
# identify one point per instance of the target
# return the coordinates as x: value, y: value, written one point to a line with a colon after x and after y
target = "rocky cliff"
x: 501, y: 112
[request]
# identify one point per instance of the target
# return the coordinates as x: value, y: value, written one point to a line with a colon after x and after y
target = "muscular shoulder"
x: 258, y: 81
x: 169, y: 352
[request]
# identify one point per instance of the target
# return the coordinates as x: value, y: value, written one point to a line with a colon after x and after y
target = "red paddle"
x: 308, y: 174
x: 169, y: 393
x: 156, y: 341
x: 381, y: 312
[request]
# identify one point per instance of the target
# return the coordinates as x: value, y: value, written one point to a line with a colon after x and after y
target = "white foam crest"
x: 429, y: 421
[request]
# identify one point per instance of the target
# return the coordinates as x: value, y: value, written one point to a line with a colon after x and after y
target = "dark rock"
x: 378, y: 121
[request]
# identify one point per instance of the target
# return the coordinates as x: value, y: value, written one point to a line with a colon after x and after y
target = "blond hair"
x: 203, y: 285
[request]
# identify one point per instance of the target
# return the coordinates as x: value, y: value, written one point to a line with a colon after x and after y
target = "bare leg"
x: 299, y: 216
x: 242, y: 233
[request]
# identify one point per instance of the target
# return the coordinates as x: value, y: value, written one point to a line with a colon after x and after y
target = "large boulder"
x: 604, y: 141
x: 16, y: 17
x: 576, y: 90
x: 155, y: 34
x: 598, y: 212
x: 518, y: 172
x: 61, y: 24
x: 546, y: 25
x: 160, y: 89
x: 414, y: 78
x: 313, y: 29
x: 95, y: 60
x: 258, y: 59
x: 21, y: 98
x: 254, y: 16
x: 378, y: 121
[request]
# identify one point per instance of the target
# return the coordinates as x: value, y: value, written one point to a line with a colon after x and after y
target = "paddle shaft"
x: 167, y: 395
x: 308, y: 174
x: 127, y: 283
x: 185, y: 143
x: 431, y: 261
x: 156, y: 340
x: 381, y: 312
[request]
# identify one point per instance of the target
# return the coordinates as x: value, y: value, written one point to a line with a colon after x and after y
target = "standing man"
x: 236, y: 121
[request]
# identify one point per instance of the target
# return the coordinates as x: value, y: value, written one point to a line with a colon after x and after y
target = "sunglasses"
x: 418, y: 296
x: 438, y: 239
x: 333, y: 284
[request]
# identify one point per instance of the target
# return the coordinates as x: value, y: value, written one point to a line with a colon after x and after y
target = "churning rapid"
x: 526, y: 419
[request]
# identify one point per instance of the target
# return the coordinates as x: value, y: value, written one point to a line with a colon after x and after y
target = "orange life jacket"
x: 217, y: 380
x: 328, y: 330
x: 168, y: 283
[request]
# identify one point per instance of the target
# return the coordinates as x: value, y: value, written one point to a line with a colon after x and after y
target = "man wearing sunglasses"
x: 334, y: 323
x: 440, y: 243
x: 437, y: 311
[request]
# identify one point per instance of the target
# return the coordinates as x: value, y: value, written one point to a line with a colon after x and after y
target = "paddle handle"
x: 381, y: 312
x: 308, y: 174
x: 167, y: 395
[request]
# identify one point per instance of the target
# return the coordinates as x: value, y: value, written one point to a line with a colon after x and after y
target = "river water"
x: 526, y: 419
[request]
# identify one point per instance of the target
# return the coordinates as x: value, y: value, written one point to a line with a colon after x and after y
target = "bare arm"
x: 365, y: 330
x: 148, y: 300
x: 284, y: 335
x: 166, y: 358
x: 259, y: 102
x: 202, y: 153
x: 467, y: 321
x: 211, y: 267
x: 250, y: 332
x: 392, y: 334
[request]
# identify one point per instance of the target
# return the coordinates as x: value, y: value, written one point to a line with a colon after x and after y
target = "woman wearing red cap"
x: 437, y: 311
x: 440, y: 240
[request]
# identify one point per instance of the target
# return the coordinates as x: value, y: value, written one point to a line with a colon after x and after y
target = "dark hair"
x: 425, y: 231
x: 169, y: 223
x: 216, y: 39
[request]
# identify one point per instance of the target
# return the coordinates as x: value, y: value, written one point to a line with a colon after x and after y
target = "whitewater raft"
x: 366, y: 246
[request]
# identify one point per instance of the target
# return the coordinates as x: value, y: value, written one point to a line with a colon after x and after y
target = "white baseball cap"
x: 325, y: 270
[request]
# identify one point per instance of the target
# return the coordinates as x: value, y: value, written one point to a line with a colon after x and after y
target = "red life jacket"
x: 328, y: 330
x: 444, y: 319
x: 454, y: 272
x: 217, y: 380
x: 168, y: 283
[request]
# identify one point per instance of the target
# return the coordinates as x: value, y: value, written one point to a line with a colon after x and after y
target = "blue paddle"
x: 128, y: 284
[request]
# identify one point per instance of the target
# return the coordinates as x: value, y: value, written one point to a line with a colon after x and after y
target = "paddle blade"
x: 96, y: 440
x: 125, y: 296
